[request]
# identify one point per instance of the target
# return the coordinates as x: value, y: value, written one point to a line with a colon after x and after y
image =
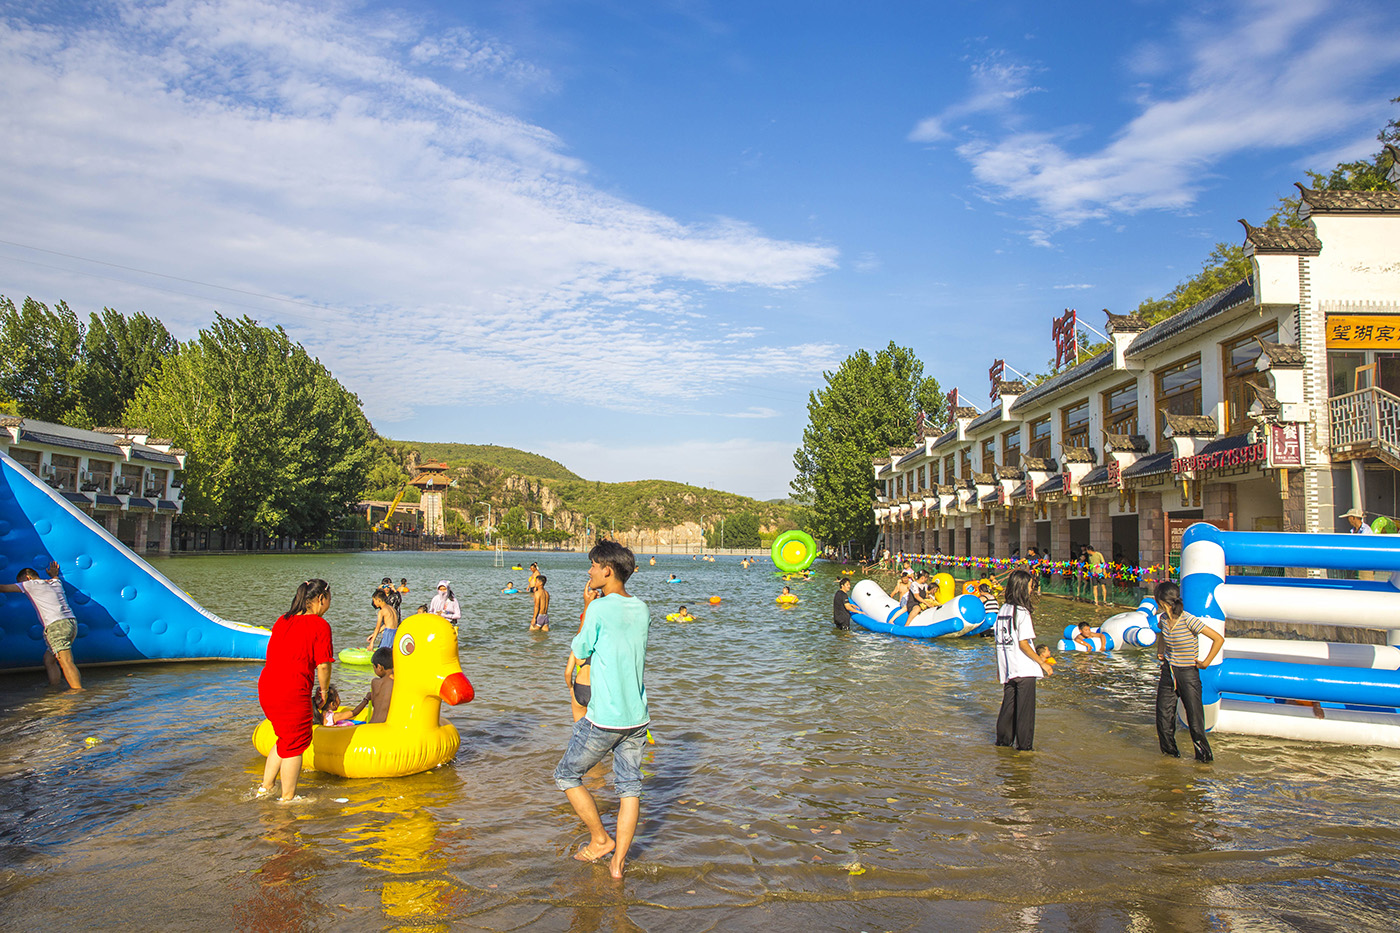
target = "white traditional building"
x: 1272, y: 405
x: 125, y: 480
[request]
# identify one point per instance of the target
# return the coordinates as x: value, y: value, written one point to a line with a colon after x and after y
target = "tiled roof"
x: 1125, y: 323
x: 899, y: 451
x: 76, y: 497
x: 1134, y: 443
x: 1301, y: 241
x: 1320, y: 201
x: 165, y: 505
x: 152, y: 456
x: 104, y: 499
x: 1098, y: 476
x: 945, y: 489
x: 1223, y: 444
x: 73, y: 443
x: 880, y: 461
x: 1150, y: 466
x: 990, y: 498
x: 1282, y: 355
x: 1192, y: 425
x: 1242, y: 292
x: 964, y: 411
x: 1019, y: 492
x: 125, y: 432
x: 135, y: 502
x: 945, y: 438
x: 1006, y: 472
x: 984, y: 479
x: 913, y: 452
x: 987, y: 417
x: 1078, y: 455
x: 1011, y: 387
x: 1267, y: 399
x: 1055, y: 483
x: 1052, y: 387
x: 10, y: 421
x: 1039, y: 464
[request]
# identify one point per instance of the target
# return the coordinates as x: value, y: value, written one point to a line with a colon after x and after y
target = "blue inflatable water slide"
x: 127, y: 611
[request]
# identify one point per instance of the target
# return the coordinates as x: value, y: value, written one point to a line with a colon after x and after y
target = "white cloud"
x: 996, y: 85
x: 759, y: 469
x: 1074, y: 286
x: 1272, y: 75
x: 441, y: 251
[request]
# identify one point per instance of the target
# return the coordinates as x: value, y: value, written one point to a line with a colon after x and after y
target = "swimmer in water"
x: 1085, y: 636
x: 683, y: 615
x: 539, y: 622
x: 1044, y: 652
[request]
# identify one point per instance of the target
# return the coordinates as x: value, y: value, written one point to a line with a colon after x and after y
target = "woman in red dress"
x: 300, y: 646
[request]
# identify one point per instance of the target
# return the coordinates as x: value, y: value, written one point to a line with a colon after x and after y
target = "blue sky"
x: 631, y: 236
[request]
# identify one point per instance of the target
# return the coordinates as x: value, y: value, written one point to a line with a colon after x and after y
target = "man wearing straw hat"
x: 1357, y: 519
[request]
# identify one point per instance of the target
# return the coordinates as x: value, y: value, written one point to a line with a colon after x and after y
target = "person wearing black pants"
x: 1018, y: 665
x: 1179, y: 648
x: 1016, y: 721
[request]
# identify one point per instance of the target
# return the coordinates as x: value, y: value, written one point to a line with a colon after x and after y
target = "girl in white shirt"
x: 1018, y: 665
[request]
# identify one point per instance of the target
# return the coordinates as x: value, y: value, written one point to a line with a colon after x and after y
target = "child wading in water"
x: 614, y: 640
x: 381, y: 688
x: 1018, y: 664
x: 60, y: 627
x: 539, y: 621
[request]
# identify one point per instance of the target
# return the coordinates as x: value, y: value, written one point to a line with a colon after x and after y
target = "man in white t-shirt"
x: 60, y: 627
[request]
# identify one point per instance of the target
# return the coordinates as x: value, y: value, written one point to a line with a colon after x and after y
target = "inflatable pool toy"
x: 964, y: 615
x: 794, y: 551
x: 427, y: 672
x: 1384, y: 526
x: 1308, y: 691
x: 1136, y: 628
x: 356, y: 656
x: 786, y: 599
x: 943, y: 588
x: 677, y: 617
x: 516, y: 567
x: 126, y: 610
x: 672, y: 580
x: 510, y: 592
x: 714, y: 600
x: 1067, y: 643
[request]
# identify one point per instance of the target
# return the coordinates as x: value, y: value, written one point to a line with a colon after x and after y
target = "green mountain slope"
x: 504, y: 458
x: 658, y: 503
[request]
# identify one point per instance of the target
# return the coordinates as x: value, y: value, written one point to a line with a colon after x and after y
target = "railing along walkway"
x: 1367, y: 417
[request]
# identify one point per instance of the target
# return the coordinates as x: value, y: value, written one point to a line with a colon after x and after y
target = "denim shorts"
x: 588, y: 745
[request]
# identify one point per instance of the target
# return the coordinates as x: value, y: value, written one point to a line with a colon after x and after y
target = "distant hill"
x: 657, y: 503
x: 504, y: 458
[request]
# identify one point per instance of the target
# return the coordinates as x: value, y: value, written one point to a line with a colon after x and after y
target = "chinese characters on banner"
x: 997, y: 374
x: 1115, y: 473
x: 1285, y: 445
x: 1067, y: 479
x: 1363, y: 331
x: 1063, y: 329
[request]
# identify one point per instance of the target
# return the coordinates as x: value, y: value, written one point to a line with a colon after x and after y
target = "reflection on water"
x: 800, y: 777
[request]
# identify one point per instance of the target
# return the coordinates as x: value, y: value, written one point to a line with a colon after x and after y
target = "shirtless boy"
x: 381, y: 688
x: 539, y: 622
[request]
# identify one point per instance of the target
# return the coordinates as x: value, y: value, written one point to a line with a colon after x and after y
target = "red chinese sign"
x: 952, y: 400
x: 1220, y: 459
x: 1066, y: 477
x: 1001, y: 494
x: 997, y: 374
x: 1115, y: 473
x: 1285, y: 445
x: 1063, y: 329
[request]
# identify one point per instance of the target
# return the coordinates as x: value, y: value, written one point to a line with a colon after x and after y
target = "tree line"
x: 276, y: 444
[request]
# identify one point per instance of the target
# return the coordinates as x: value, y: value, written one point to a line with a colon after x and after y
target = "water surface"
x: 801, y: 778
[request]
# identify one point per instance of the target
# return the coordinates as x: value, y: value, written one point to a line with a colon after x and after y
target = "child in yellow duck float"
x: 786, y: 598
x: 413, y: 738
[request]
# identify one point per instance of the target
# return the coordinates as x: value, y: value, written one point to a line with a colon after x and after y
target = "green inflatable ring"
x: 358, y: 656
x: 794, y: 551
x: 1383, y: 526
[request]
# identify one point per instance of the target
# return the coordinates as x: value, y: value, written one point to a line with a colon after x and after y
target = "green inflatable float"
x: 794, y: 551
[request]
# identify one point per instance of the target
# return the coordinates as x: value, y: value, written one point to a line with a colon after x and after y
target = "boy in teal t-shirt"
x: 613, y: 639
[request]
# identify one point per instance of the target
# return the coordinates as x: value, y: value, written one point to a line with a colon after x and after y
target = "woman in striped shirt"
x: 1178, y: 648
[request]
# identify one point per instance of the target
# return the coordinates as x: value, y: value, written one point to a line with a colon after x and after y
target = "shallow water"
x: 800, y: 778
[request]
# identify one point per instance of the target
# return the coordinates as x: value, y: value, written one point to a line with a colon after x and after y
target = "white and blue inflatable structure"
x: 961, y: 615
x: 126, y: 610
x: 1136, y: 628
x: 1311, y: 691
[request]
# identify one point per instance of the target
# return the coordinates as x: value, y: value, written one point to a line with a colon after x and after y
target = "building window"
x: 948, y: 470
x: 99, y: 476
x: 1178, y: 392
x: 155, y: 484
x: 130, y: 481
x: 1238, y: 356
x: 1011, y: 448
x: 989, y: 454
x: 1074, y: 425
x: 923, y: 477
x: 1120, y: 414
x: 965, y: 463
x: 65, y: 472
x: 1040, y: 438
x: 29, y: 459
x: 1343, y: 364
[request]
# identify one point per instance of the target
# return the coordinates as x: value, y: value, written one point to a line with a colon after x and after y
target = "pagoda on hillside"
x: 432, y: 481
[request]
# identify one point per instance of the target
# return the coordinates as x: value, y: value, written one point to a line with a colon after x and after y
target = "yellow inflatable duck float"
x: 427, y: 672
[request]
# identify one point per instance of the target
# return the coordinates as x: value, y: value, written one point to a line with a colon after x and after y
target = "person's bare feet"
x: 594, y: 851
x: 615, y: 866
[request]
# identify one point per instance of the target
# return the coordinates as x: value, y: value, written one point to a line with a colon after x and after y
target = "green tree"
x: 511, y: 526
x: 118, y: 355
x: 739, y: 530
x: 40, y: 353
x: 1225, y: 266
x: 276, y: 444
x: 868, y: 405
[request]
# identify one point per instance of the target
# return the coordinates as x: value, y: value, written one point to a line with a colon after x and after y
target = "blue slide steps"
x: 127, y: 611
